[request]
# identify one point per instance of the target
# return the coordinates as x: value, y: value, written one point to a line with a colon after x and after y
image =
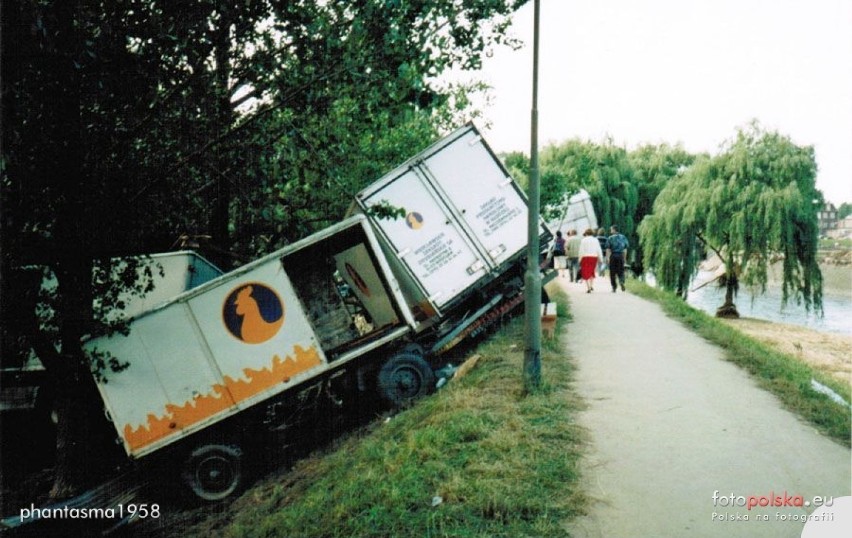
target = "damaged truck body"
x: 369, y: 304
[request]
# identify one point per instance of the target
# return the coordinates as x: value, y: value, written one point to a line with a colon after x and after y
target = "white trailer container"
x: 244, y: 338
x: 465, y: 225
x: 574, y: 213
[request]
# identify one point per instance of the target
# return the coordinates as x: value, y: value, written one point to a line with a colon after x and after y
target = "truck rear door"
x: 428, y: 240
x: 483, y: 195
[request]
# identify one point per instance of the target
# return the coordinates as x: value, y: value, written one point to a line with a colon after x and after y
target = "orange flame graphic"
x: 221, y: 397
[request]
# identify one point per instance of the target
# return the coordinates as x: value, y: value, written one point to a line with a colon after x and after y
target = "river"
x: 837, y: 308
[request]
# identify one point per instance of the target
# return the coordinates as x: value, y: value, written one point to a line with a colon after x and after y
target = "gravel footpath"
x: 681, y: 440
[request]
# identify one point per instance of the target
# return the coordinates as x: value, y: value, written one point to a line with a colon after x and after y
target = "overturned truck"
x: 367, y: 305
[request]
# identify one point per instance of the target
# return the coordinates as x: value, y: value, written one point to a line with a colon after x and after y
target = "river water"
x: 837, y: 308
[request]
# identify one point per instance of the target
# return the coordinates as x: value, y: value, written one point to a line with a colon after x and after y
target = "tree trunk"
x: 729, y: 309
x: 683, y: 282
x: 72, y: 432
x: 67, y: 476
x: 73, y: 255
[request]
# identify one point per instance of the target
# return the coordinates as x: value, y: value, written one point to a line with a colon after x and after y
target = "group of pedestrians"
x: 583, y: 257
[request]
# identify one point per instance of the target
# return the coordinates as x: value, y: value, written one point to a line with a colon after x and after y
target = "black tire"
x: 213, y: 472
x: 413, y: 348
x: 404, y: 378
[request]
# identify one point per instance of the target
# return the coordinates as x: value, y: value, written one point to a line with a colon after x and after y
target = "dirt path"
x: 673, y: 425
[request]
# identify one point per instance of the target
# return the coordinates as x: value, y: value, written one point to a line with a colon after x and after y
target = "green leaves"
x: 604, y: 170
x: 753, y: 203
x: 384, y: 210
x: 136, y: 122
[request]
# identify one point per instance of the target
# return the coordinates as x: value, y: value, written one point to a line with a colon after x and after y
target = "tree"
x: 555, y: 186
x: 653, y: 166
x: 844, y: 210
x: 603, y: 170
x: 623, y: 185
x: 129, y: 123
x: 750, y: 205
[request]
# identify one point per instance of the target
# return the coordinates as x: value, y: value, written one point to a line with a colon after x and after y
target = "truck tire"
x: 413, y: 348
x: 213, y: 472
x: 405, y: 377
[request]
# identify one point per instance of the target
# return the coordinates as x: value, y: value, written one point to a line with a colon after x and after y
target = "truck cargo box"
x: 465, y: 221
x: 248, y: 336
x: 574, y: 213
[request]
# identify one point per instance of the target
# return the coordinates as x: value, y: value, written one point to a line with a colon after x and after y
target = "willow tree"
x: 653, y: 167
x: 751, y: 205
x: 603, y: 170
x: 556, y: 187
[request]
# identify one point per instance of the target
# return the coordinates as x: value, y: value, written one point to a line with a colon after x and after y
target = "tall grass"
x: 478, y: 459
x: 784, y: 375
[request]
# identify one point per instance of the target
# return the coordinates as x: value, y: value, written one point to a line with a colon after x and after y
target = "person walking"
x: 590, y: 252
x: 559, y: 260
x: 616, y: 253
x: 602, y: 241
x: 572, y: 250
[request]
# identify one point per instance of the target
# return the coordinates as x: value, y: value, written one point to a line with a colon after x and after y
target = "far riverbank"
x: 837, y: 280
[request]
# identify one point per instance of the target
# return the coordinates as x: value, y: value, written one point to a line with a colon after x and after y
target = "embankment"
x: 827, y: 352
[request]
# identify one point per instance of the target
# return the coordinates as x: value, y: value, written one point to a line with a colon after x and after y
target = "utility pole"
x: 532, y: 278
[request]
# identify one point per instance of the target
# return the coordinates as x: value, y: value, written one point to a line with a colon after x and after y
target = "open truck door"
x: 241, y: 353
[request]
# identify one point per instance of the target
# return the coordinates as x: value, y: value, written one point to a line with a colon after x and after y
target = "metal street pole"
x: 532, y: 278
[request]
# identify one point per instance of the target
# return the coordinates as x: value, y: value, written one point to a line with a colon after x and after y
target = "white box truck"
x: 170, y: 274
x: 224, y: 356
x: 574, y: 213
x: 368, y: 304
x: 459, y: 253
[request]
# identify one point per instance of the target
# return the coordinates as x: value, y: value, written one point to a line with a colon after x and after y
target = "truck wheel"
x: 412, y: 348
x: 404, y: 378
x: 213, y: 472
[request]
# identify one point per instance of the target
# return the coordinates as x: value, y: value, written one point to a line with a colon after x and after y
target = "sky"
x: 680, y: 71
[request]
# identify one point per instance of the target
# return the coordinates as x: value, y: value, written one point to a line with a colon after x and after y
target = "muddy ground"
x: 830, y: 353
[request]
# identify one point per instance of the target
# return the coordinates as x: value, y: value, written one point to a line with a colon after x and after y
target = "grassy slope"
x: 783, y: 375
x: 503, y: 463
